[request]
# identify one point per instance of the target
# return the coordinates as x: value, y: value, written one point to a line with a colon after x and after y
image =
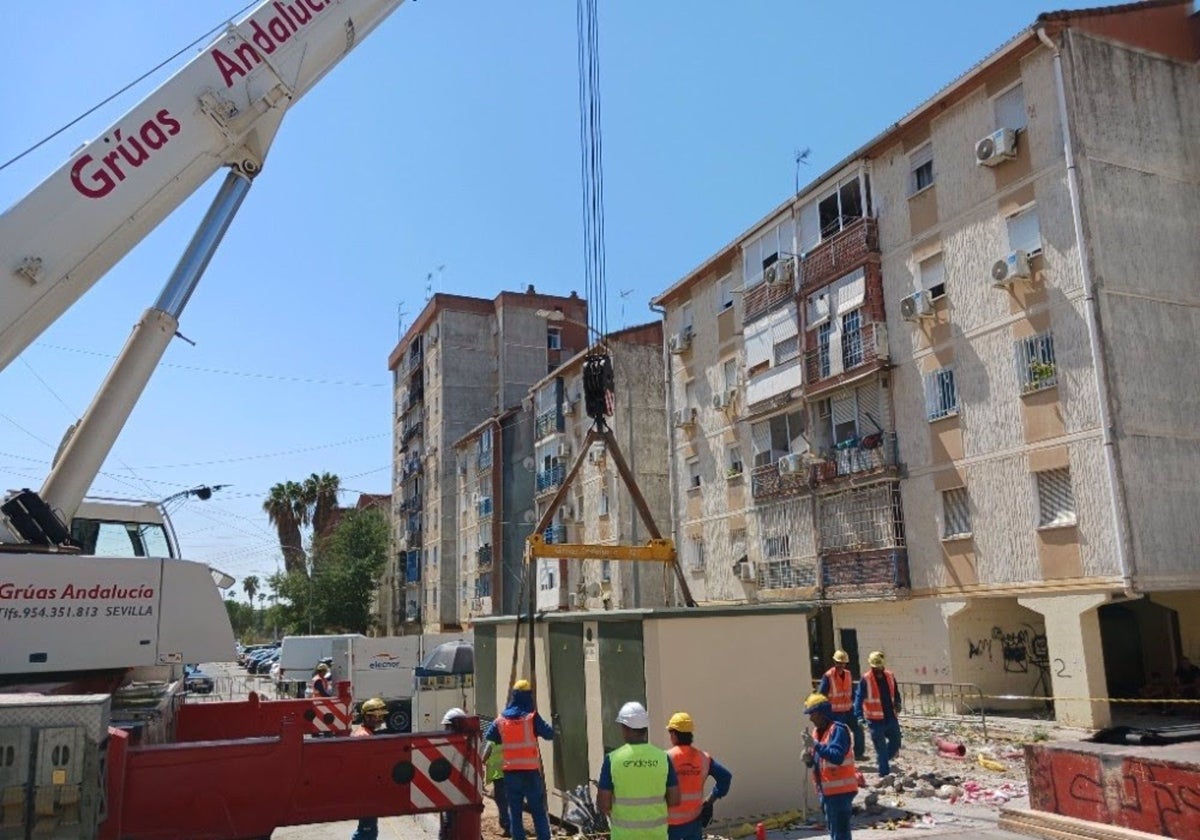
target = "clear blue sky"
x: 450, y: 138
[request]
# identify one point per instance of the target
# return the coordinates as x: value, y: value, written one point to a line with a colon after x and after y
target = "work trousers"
x: 525, y: 789
x: 837, y: 814
x: 688, y: 831
x: 860, y: 740
x: 501, y: 798
x: 368, y: 829
x: 885, y: 736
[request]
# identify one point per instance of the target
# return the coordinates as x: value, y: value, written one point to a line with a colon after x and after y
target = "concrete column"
x: 1076, y: 657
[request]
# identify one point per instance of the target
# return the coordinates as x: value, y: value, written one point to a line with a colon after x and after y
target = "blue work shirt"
x: 891, y: 705
x: 540, y: 728
x: 721, y: 776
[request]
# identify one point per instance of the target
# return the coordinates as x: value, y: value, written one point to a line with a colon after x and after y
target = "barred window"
x: 956, y: 513
x: 696, y: 554
x: 1056, y: 499
x: 778, y: 546
x: 787, y: 349
x: 1036, y: 369
x: 941, y: 395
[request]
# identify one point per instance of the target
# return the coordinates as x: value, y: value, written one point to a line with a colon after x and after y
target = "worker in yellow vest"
x: 493, y: 766
x: 877, y: 703
x: 686, y: 820
x: 827, y: 752
x: 518, y: 728
x: 838, y: 685
x: 637, y: 781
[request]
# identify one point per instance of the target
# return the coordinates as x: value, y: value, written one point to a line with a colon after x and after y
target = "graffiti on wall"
x: 1020, y: 651
x: 1144, y: 795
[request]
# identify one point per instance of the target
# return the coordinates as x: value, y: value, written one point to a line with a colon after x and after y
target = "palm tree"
x: 250, y: 587
x: 286, y: 509
x: 321, y: 492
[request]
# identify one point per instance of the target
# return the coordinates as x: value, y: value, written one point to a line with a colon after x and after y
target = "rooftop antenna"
x: 801, y: 158
x: 428, y: 286
x: 624, y: 294
x: 400, y: 313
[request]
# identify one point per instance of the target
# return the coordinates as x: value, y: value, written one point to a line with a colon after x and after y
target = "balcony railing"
x: 483, y: 461
x: 551, y: 478
x: 411, y: 466
x: 766, y: 297
x: 788, y: 573
x: 483, y: 507
x: 412, y: 430
x: 414, y: 361
x: 766, y: 481
x: 877, y: 452
x: 881, y: 572
x: 483, y: 558
x: 411, y: 504
x: 415, y: 398
x: 856, y: 352
x: 555, y: 534
x: 547, y: 423
x: 839, y: 254
x: 412, y: 567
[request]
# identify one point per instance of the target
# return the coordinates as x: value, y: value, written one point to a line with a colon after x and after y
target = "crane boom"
x: 222, y: 109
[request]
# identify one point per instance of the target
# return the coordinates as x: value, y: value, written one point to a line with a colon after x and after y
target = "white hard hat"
x: 634, y: 716
x: 452, y: 714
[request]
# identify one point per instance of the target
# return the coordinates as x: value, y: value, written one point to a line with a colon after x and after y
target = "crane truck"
x: 80, y: 632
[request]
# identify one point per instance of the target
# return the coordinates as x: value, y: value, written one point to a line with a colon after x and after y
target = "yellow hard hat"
x: 681, y: 722
x: 374, y: 706
x: 522, y: 685
x: 816, y: 702
x: 841, y: 656
x: 322, y: 668
x: 875, y: 660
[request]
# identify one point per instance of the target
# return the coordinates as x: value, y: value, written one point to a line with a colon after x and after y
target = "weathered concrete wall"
x: 911, y: 634
x: 1001, y: 647
x: 1136, y: 120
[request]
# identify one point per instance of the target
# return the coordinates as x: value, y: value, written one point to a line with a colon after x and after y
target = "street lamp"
x: 203, y: 492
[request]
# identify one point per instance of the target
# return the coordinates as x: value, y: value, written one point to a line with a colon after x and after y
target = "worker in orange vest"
x: 827, y: 752
x: 518, y: 728
x: 687, y: 820
x: 838, y: 685
x: 877, y: 704
x: 373, y: 713
x: 321, y: 686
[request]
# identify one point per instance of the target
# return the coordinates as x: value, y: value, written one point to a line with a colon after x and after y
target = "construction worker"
x: 838, y: 685
x: 637, y: 782
x: 687, y: 820
x: 877, y: 703
x: 374, y: 711
x: 827, y: 752
x: 321, y: 686
x: 518, y: 728
x: 493, y: 765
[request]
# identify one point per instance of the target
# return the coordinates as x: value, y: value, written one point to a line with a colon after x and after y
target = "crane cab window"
x: 120, y: 539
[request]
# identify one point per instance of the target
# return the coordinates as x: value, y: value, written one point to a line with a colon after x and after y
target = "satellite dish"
x: 529, y: 463
x: 593, y: 590
x: 529, y: 516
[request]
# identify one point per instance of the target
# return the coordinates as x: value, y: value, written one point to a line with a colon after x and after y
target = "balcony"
x: 548, y: 480
x: 843, y: 252
x: 412, y: 465
x: 412, y: 430
x: 412, y: 568
x: 483, y: 461
x: 414, y: 361
x: 765, y: 297
x: 483, y: 557
x: 865, y: 574
x: 787, y: 573
x: 411, y: 504
x: 555, y: 534
x: 548, y: 423
x: 857, y: 353
x: 873, y: 453
x: 483, y: 507
x: 416, y: 398
x: 767, y: 482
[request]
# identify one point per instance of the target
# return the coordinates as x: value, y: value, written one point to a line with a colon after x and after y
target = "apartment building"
x: 462, y: 361
x: 966, y: 356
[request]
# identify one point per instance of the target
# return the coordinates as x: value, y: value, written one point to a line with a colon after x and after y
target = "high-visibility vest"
x: 639, y: 805
x: 360, y: 732
x: 495, y: 764
x: 691, y: 766
x: 321, y: 687
x: 841, y: 690
x: 833, y: 779
x: 872, y: 704
x: 520, y: 743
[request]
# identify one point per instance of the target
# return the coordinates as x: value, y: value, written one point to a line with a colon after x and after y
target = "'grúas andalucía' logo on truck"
x: 268, y: 32
x: 96, y: 592
x: 96, y: 178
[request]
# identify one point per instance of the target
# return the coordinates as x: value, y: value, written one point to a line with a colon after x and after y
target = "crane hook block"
x: 598, y: 385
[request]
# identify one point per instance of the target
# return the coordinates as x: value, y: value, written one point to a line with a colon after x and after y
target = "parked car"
x: 196, y: 681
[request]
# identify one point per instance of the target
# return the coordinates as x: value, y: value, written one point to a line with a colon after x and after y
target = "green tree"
x: 320, y: 494
x: 250, y: 587
x: 287, y: 510
x: 241, y: 619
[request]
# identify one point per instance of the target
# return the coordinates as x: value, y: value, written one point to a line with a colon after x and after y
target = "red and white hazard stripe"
x: 460, y: 787
x: 331, y: 716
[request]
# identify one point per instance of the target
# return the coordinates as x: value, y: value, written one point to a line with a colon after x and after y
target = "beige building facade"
x: 958, y: 371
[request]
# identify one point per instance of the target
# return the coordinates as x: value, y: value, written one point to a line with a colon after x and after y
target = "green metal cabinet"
x: 622, y: 676
x: 568, y: 700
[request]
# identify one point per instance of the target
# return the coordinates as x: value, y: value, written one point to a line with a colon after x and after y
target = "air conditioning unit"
x: 916, y: 306
x: 685, y: 417
x: 789, y: 464
x: 719, y: 400
x: 1008, y: 269
x: 747, y: 572
x: 681, y: 341
x: 997, y: 147
x: 564, y: 450
x: 780, y: 271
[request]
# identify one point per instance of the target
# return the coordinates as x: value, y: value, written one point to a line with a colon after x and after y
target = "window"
x: 841, y: 207
x: 553, y: 338
x: 776, y: 546
x: 604, y: 502
x: 921, y: 164
x: 1009, y: 107
x: 766, y: 250
x: 730, y: 374
x: 696, y: 554
x: 1024, y: 231
x: 933, y: 276
x: 689, y: 396
x: 852, y: 349
x: 733, y: 457
x: 725, y: 293
x: 787, y: 349
x: 606, y: 570
x: 941, y: 396
x: 1056, y: 499
x: 1035, y: 363
x: 776, y: 437
x: 694, y: 478
x: 956, y: 513
x: 823, y: 333
x: 685, y: 319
